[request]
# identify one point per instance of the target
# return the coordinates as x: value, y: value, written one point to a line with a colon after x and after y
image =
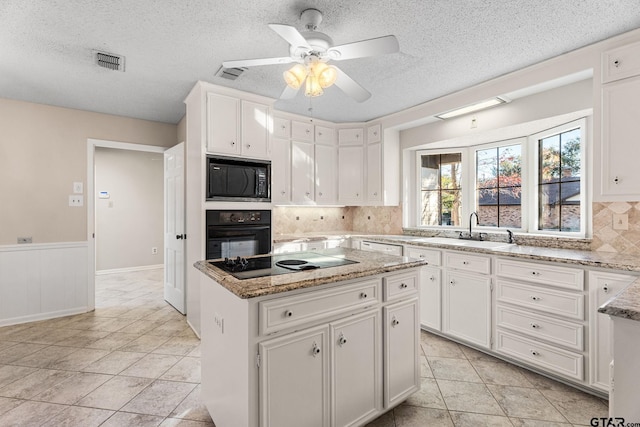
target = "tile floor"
x: 135, y: 362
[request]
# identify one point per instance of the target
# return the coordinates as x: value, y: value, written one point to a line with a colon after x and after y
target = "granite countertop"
x: 369, y: 264
x: 626, y: 304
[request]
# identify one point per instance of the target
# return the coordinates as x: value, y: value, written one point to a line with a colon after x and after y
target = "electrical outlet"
x: 22, y: 240
x: 620, y: 221
x: 76, y: 200
x: 154, y: 251
x: 219, y: 322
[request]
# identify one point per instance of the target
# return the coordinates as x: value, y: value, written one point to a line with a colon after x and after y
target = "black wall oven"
x: 233, y: 233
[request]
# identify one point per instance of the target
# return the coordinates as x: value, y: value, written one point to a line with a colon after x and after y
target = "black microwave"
x: 238, y: 180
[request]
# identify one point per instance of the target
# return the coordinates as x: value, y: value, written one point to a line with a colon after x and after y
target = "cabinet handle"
x: 283, y: 192
x: 307, y: 194
x: 465, y: 262
x: 616, y: 180
x: 320, y: 194
x: 535, y: 298
x: 283, y: 127
x: 395, y: 322
x: 248, y: 145
x: 233, y: 143
x: 616, y: 63
x: 375, y: 133
x: 342, y: 340
x: 534, y: 353
x: 357, y: 194
x: 605, y: 288
x: 375, y: 194
x: 315, y: 350
x: 535, y: 273
x: 432, y: 278
x: 535, y: 325
x: 319, y: 133
x: 288, y: 313
x: 307, y: 131
x: 403, y: 286
x: 452, y: 282
x: 421, y: 256
x: 363, y: 295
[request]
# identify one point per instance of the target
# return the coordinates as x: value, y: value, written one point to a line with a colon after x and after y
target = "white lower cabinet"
x: 294, y: 379
x: 430, y: 298
x: 602, y: 287
x: 401, y: 362
x: 466, y: 307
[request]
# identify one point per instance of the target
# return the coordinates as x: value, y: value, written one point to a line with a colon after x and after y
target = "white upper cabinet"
x: 374, y: 173
x: 326, y: 180
x: 621, y: 63
x: 237, y: 127
x: 281, y: 128
x: 302, y: 173
x: 281, y: 171
x: 373, y: 134
x: 325, y: 135
x: 350, y: 175
x: 302, y: 131
x: 255, y: 129
x: 223, y: 128
x: 354, y: 136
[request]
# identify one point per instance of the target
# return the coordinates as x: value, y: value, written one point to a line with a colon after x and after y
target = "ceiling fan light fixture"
x: 326, y: 74
x: 313, y: 87
x: 295, y: 76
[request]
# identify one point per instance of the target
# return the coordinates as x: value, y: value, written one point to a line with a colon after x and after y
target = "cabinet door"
x: 325, y: 135
x: 302, y: 173
x: 294, y: 379
x: 401, y: 366
x: 621, y: 109
x: 373, y: 134
x: 326, y: 182
x: 223, y: 114
x: 356, y: 362
x: 602, y: 287
x: 350, y: 136
x: 430, y: 298
x: 374, y: 173
x: 302, y: 131
x: 467, y: 307
x: 281, y: 171
x: 255, y: 129
x: 350, y: 176
x: 281, y: 128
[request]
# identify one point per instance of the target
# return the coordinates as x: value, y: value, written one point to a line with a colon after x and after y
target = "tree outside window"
x: 441, y: 189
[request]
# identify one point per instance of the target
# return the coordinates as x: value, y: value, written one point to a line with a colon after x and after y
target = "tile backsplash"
x: 608, y: 239
x: 315, y: 219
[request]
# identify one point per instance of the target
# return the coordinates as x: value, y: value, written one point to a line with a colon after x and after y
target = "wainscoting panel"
x: 42, y: 281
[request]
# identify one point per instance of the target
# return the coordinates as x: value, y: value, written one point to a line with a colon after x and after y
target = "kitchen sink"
x: 481, y: 244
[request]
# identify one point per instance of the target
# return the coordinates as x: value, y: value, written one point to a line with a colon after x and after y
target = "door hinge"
x: 258, y: 360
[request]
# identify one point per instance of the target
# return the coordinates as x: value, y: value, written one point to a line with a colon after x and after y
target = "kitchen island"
x: 328, y: 346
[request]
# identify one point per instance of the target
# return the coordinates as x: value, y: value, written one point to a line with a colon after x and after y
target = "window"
x: 499, y: 186
x: 559, y: 159
x: 530, y: 184
x: 441, y: 189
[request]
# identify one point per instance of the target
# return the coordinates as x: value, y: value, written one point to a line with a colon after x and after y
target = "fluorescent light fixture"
x: 471, y: 108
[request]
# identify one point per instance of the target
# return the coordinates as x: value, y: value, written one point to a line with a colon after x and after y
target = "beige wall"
x: 43, y: 150
x: 130, y: 222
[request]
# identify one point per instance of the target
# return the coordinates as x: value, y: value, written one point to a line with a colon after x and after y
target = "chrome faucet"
x: 470, y: 236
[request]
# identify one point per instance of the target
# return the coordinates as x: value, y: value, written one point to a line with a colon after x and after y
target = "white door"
x: 174, y: 227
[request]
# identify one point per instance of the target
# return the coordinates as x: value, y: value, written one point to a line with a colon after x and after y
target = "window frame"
x: 530, y: 201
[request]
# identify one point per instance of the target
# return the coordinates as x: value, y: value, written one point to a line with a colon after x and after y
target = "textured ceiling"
x: 46, y: 48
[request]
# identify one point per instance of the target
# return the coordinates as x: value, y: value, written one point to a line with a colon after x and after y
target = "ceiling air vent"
x: 110, y: 61
x: 230, y: 73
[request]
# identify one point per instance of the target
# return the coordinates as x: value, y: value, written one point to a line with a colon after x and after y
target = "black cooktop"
x: 273, y: 265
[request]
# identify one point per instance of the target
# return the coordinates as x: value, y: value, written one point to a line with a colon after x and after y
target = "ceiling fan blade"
x: 370, y: 47
x: 288, y: 93
x: 291, y: 35
x: 350, y: 87
x: 254, y: 62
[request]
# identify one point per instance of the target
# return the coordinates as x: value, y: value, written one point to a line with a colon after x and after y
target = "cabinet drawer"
x: 381, y: 247
x: 550, y: 358
x: 547, y: 300
x: 287, y: 312
x: 555, y: 331
x: 563, y: 277
x: 431, y: 256
x: 399, y: 286
x: 461, y: 261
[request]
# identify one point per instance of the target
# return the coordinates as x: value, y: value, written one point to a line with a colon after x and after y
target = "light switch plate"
x: 620, y: 221
x: 78, y: 188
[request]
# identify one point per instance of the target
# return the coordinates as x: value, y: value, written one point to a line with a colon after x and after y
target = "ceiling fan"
x: 311, y: 50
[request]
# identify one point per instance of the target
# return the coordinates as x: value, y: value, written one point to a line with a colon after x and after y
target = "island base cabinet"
x: 294, y: 380
x: 402, y: 368
x: 466, y: 308
x: 356, y: 361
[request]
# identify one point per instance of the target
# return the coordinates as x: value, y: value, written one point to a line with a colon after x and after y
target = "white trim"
x: 90, y: 200
x: 43, y: 316
x: 129, y: 269
x: 40, y: 246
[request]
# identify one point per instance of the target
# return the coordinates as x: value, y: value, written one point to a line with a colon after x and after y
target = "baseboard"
x: 129, y: 269
x: 43, y: 316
